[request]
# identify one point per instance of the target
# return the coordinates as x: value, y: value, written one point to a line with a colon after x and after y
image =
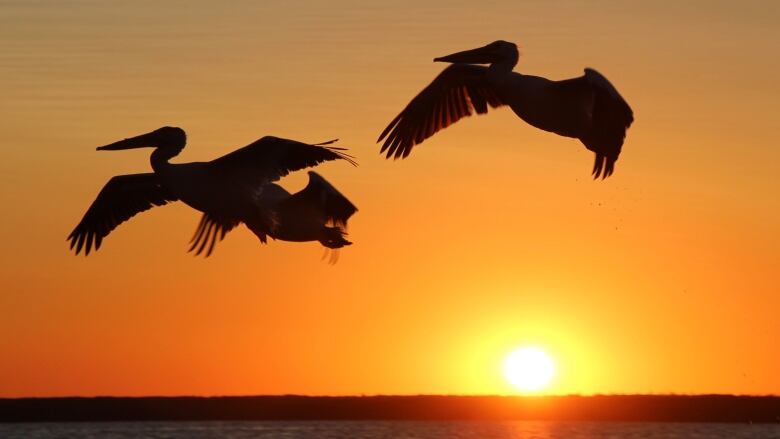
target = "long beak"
x: 481, y: 55
x: 144, y: 140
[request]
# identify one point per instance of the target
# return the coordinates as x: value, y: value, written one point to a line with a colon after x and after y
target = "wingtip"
x: 343, y: 155
x: 328, y: 142
x: 603, y: 167
x: 596, y: 167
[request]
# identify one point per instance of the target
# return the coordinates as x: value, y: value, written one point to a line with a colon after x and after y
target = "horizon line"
x: 406, y: 395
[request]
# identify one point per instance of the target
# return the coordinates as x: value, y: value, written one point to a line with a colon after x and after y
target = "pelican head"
x: 492, y: 53
x: 172, y: 138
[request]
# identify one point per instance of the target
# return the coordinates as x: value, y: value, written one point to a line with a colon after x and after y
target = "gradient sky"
x: 663, y: 278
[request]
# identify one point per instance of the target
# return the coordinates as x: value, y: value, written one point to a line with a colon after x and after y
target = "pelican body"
x: 588, y: 108
x: 235, y: 188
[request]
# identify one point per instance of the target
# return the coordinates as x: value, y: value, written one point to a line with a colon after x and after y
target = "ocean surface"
x: 390, y: 430
x: 80, y: 73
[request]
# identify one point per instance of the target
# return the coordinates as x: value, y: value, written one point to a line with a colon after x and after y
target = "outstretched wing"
x: 271, y: 158
x: 457, y: 92
x: 209, y: 229
x: 327, y: 199
x: 119, y: 200
x: 611, y: 118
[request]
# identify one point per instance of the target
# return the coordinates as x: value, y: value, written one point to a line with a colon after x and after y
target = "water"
x: 390, y: 430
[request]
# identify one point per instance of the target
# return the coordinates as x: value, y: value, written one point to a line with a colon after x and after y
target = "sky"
x: 491, y: 235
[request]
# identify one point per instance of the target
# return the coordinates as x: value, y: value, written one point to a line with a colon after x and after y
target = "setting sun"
x: 530, y: 369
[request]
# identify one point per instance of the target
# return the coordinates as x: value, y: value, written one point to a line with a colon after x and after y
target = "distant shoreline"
x: 650, y: 408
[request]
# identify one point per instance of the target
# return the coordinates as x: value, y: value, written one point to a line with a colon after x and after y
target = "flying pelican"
x: 235, y: 188
x: 588, y: 108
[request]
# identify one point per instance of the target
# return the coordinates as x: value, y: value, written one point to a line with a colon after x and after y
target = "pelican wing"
x: 271, y: 158
x: 457, y: 92
x: 610, y: 118
x: 209, y: 229
x: 119, y: 200
x: 325, y: 198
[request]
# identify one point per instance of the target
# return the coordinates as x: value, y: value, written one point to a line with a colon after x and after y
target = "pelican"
x: 235, y: 188
x: 588, y: 108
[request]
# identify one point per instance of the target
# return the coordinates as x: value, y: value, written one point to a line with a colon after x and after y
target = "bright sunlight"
x: 529, y: 368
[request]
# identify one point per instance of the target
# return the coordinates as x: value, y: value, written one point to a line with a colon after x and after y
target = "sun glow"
x: 529, y: 368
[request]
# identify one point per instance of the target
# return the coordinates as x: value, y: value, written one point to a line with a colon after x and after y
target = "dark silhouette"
x: 235, y: 188
x: 655, y: 408
x: 588, y: 108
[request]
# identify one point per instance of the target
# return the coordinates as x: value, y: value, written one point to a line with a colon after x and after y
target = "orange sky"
x: 663, y: 278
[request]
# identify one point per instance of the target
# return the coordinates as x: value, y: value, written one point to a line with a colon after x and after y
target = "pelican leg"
x: 334, y: 238
x: 332, y: 254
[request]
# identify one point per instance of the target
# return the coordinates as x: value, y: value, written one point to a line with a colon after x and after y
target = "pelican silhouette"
x: 235, y: 188
x: 588, y: 107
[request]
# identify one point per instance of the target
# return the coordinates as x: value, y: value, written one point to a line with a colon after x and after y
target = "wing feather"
x: 612, y: 116
x: 121, y: 198
x: 271, y: 158
x: 210, y: 229
x: 458, y: 91
x: 323, y: 197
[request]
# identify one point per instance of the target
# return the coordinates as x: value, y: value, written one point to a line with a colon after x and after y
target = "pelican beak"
x: 144, y: 140
x: 482, y: 55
